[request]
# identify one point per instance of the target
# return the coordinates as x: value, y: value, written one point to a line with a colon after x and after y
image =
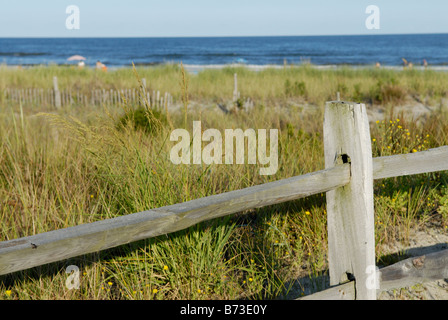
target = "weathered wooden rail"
x: 430, y: 267
x: 347, y: 180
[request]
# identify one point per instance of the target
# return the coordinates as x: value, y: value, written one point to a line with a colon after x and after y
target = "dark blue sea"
x: 318, y: 50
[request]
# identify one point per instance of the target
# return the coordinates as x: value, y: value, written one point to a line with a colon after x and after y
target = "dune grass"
x: 84, y: 164
x: 287, y: 85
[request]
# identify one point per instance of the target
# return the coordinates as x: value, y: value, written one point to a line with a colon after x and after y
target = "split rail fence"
x: 347, y: 180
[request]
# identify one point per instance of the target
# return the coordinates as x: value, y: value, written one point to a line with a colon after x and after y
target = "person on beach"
x: 405, y: 62
x: 81, y: 64
x: 101, y: 66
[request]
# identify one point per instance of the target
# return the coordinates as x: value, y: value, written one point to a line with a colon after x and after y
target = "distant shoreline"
x: 195, y: 68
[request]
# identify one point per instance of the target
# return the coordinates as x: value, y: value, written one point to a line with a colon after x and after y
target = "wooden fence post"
x: 350, y: 212
x: 235, y: 87
x: 143, y: 92
x: 57, y: 94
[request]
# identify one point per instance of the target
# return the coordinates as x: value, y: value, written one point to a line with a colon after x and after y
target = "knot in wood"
x: 418, y: 262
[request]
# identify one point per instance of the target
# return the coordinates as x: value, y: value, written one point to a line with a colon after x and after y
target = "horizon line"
x: 218, y: 36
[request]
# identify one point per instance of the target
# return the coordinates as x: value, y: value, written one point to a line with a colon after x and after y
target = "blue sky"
x: 172, y: 18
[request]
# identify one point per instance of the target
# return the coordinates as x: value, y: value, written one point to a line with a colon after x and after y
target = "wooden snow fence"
x: 57, y: 98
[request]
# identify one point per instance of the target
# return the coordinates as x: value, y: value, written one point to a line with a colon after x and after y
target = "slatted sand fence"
x: 64, y: 98
x: 347, y: 179
x: 57, y: 98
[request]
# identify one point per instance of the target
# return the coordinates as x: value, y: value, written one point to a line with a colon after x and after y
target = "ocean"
x: 360, y: 50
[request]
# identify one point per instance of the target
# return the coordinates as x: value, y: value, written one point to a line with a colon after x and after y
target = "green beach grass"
x: 80, y: 164
x: 271, y: 85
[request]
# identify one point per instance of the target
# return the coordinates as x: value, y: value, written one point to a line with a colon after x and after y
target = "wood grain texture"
x: 433, y: 266
x: 431, y: 160
x: 350, y: 212
x: 415, y: 270
x: 61, y: 244
x: 344, y: 291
